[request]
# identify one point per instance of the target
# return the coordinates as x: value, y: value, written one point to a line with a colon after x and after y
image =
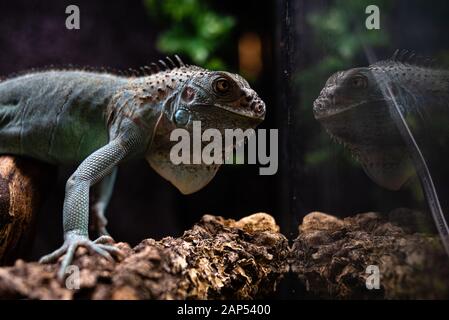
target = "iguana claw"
x: 72, y: 242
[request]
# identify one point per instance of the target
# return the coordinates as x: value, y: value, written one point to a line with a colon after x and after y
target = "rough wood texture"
x: 216, y: 259
x: 246, y: 259
x: 22, y: 185
x: 331, y: 255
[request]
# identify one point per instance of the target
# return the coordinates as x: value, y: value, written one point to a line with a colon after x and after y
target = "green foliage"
x: 192, y: 29
x: 344, y: 25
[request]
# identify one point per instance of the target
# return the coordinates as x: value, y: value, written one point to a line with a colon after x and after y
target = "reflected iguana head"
x: 354, y: 109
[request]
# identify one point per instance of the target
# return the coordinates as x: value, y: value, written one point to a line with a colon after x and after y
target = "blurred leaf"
x: 191, y: 29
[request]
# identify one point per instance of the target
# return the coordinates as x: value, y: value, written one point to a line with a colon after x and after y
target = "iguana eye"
x: 358, y: 82
x: 221, y: 85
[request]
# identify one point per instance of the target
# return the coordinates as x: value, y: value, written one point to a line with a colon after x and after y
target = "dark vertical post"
x: 290, y: 22
x: 291, y: 17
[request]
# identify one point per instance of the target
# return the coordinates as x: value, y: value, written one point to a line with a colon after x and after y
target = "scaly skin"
x: 99, y: 120
x: 377, y: 112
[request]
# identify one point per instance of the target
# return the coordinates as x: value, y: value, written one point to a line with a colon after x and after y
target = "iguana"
x: 99, y: 120
x: 377, y: 111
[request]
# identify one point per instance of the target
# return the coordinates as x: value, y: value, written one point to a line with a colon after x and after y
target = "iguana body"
x: 377, y: 112
x: 57, y: 117
x: 99, y: 120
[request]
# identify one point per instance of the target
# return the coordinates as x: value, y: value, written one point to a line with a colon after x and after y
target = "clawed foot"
x: 102, y: 246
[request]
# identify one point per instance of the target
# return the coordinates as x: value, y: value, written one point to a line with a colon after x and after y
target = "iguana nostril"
x: 259, y: 108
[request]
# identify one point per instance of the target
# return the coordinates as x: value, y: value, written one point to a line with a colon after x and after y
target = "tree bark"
x: 332, y: 256
x: 23, y: 183
x: 216, y: 259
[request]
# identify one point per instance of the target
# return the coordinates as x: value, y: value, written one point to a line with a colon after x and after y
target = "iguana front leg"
x: 76, y: 204
x: 103, y: 191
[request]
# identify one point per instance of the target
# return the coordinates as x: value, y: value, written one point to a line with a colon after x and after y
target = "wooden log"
x: 332, y: 257
x: 23, y: 182
x: 226, y: 259
x: 217, y: 259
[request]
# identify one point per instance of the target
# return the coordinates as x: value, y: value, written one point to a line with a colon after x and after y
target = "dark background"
x: 314, y: 173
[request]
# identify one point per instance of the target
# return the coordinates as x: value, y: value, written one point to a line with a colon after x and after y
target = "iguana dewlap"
x: 98, y: 120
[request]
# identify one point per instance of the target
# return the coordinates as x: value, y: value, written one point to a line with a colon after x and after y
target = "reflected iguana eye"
x: 222, y: 85
x: 358, y: 82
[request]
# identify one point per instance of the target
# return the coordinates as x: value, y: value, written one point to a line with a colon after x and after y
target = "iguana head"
x: 354, y: 110
x: 219, y: 100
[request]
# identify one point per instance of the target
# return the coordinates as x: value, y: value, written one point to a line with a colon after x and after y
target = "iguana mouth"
x: 256, y: 112
x: 323, y: 108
